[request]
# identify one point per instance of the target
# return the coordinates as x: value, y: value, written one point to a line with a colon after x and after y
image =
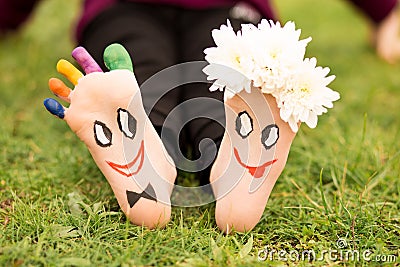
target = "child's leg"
x: 149, y: 40
x: 252, y: 155
x: 270, y: 88
x: 106, y: 112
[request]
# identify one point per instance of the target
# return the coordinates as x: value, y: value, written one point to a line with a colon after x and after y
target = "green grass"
x: 341, y: 181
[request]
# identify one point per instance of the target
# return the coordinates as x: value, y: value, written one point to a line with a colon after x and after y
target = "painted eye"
x: 127, y: 123
x: 270, y: 135
x: 244, y: 124
x: 102, y: 134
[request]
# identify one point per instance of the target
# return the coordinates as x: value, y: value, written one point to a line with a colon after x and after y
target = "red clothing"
x: 94, y: 7
x: 376, y: 10
x: 14, y: 12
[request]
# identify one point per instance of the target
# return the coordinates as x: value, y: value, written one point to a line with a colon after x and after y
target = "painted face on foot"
x: 121, y: 146
x: 127, y: 125
x: 106, y: 112
x: 268, y: 137
x: 113, y: 136
x: 102, y: 113
x: 111, y: 130
x: 253, y: 142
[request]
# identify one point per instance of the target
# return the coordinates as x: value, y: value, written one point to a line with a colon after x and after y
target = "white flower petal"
x: 312, y: 120
x: 215, y: 87
x: 293, y: 125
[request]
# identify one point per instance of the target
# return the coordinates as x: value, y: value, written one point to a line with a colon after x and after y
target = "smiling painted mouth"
x: 126, y: 169
x: 256, y: 172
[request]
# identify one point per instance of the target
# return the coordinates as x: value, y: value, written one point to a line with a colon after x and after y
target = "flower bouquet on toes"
x: 269, y: 90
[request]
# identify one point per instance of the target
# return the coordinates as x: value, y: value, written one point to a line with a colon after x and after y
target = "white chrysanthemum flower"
x: 307, y: 95
x: 230, y: 61
x: 265, y: 54
x: 282, y: 43
x: 227, y: 79
x: 281, y: 50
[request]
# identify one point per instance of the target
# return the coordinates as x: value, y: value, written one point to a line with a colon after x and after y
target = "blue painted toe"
x: 54, y: 107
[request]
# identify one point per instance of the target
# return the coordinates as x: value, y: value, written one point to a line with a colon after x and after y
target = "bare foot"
x: 387, y: 38
x: 252, y: 155
x: 269, y: 89
x: 107, y: 114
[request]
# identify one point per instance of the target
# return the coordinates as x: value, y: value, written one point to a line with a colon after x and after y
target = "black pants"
x: 158, y: 37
